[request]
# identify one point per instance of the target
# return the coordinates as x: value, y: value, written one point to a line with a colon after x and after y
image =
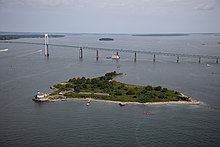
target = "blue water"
x: 24, y: 70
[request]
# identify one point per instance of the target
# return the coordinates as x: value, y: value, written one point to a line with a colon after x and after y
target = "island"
x: 106, y: 88
x: 106, y: 39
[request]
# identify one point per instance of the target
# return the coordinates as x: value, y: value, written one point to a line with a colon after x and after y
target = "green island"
x: 106, y: 88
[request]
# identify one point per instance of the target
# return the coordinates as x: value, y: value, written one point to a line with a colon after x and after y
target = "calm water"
x: 24, y: 70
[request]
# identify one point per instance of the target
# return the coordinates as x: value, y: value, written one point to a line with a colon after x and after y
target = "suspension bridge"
x: 135, y: 52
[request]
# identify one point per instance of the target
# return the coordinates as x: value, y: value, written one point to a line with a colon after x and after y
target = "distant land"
x: 11, y: 36
x: 157, y: 35
x: 106, y: 39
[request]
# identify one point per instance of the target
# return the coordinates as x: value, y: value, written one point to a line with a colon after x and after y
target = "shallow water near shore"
x: 24, y: 70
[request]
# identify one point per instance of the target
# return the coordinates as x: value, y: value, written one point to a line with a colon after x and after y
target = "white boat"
x: 115, y: 56
x: 88, y: 103
x: 89, y: 100
x: 40, y: 97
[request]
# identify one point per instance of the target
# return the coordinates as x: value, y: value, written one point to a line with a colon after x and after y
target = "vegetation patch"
x: 106, y: 88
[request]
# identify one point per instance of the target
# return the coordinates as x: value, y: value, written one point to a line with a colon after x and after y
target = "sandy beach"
x: 192, y: 102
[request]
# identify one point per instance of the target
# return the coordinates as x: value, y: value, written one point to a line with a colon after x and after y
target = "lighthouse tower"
x: 46, y: 51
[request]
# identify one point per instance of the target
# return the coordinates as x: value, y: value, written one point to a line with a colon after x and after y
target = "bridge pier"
x: 97, y: 55
x: 46, y: 50
x: 217, y: 61
x: 177, y: 59
x: 80, y: 53
x: 135, y: 56
x: 154, y: 58
x: 199, y: 60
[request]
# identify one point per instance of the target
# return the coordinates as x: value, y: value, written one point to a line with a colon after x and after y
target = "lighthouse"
x: 46, y: 51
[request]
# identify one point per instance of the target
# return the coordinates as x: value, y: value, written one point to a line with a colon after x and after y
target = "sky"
x: 110, y: 16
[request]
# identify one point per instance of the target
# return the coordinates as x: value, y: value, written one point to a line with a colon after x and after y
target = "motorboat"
x: 88, y: 103
x: 115, y: 56
x: 122, y: 104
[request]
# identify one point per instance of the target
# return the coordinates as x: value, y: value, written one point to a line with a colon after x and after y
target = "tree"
x: 164, y: 90
x: 158, y: 88
x: 76, y: 89
x: 84, y: 86
x: 148, y: 88
x: 88, y: 81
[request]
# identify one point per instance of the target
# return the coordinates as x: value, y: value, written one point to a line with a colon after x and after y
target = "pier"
x: 133, y: 51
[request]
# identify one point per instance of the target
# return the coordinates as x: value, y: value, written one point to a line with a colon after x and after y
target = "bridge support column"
x: 177, y: 59
x: 135, y: 56
x: 97, y: 55
x: 154, y: 58
x: 46, y: 50
x: 199, y: 60
x: 217, y: 61
x: 80, y: 53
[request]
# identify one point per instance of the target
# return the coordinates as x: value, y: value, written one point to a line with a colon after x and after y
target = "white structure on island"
x: 46, y: 51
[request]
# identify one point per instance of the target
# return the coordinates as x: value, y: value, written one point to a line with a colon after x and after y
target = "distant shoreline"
x: 11, y: 37
x: 159, y: 35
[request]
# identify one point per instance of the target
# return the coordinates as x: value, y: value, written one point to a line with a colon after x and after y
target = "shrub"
x: 149, y: 88
x: 76, y: 89
x: 130, y: 92
x: 164, y: 90
x: 158, y: 88
x: 84, y: 86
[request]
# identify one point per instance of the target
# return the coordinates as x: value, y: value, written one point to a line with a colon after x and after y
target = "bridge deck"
x: 123, y: 50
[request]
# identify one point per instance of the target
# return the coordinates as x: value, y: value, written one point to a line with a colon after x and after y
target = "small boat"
x: 89, y: 100
x: 115, y: 56
x: 88, y: 103
x: 40, y: 97
x: 108, y: 57
x: 122, y: 104
x: 52, y: 87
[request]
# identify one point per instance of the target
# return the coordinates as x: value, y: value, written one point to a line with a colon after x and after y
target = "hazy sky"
x: 110, y: 16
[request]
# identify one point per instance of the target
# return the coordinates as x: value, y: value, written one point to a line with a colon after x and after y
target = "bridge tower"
x: 46, y: 51
x: 80, y: 53
x: 154, y: 58
x: 135, y: 56
x: 97, y: 55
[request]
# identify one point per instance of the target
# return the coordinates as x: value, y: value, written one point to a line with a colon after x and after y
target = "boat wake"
x: 38, y: 51
x: 4, y: 50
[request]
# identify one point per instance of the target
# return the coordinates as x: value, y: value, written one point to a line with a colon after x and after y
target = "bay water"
x: 24, y: 70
